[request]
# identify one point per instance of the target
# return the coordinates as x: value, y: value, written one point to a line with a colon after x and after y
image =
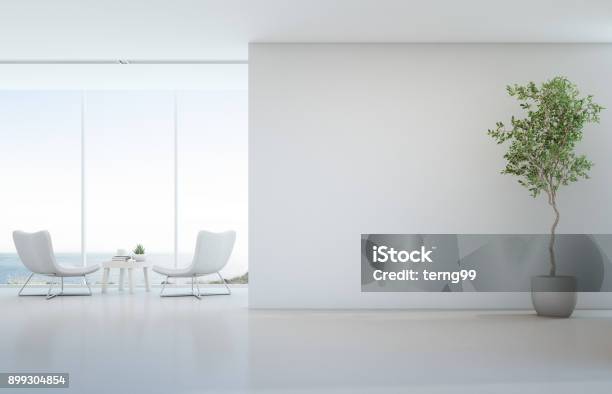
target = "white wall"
x: 351, y: 139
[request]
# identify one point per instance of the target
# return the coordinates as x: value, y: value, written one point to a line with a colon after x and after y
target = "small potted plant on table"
x: 139, y: 253
x: 542, y: 155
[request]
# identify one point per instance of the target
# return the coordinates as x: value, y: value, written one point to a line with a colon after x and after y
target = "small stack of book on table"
x: 122, y: 258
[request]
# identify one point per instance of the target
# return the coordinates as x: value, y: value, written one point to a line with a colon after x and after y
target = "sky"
x: 129, y: 168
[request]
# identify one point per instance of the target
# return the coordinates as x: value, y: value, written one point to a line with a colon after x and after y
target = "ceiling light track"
x: 122, y: 61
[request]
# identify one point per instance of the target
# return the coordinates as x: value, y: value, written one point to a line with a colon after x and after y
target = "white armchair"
x: 212, y: 253
x: 36, y: 252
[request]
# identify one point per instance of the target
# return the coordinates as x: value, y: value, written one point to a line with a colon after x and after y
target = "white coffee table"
x: 130, y: 266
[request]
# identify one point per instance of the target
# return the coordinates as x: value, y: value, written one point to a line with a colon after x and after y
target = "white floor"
x: 122, y: 343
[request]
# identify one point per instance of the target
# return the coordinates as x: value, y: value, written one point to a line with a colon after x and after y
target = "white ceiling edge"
x: 119, y: 76
x: 214, y: 29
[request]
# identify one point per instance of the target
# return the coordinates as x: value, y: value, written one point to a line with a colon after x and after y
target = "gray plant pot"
x: 554, y: 296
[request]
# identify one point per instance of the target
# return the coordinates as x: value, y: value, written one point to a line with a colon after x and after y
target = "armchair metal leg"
x: 61, y: 292
x: 192, y: 294
x: 25, y: 284
x: 198, y: 286
x: 49, y: 294
x: 193, y: 278
x: 52, y: 284
x: 87, y: 284
x: 195, y: 290
x: 161, y: 293
x: 229, y: 291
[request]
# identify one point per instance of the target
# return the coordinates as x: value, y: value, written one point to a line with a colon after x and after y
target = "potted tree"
x: 541, y: 153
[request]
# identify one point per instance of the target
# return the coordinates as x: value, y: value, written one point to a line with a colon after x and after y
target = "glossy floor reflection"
x: 143, y: 344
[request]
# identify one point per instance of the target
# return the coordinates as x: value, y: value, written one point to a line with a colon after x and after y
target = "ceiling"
x: 222, y: 29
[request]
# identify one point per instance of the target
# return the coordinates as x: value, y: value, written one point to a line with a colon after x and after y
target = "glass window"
x: 40, y: 168
x: 213, y: 171
x: 129, y: 172
x: 129, y: 162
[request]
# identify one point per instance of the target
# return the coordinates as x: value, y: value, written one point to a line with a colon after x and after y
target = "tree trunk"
x: 551, y: 246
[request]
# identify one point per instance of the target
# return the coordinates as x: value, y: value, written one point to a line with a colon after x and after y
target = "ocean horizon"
x: 12, y: 270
